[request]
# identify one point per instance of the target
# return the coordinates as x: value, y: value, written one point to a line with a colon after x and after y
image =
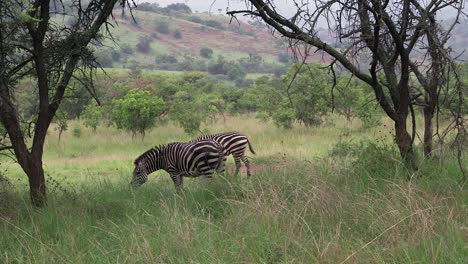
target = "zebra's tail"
x: 250, y: 147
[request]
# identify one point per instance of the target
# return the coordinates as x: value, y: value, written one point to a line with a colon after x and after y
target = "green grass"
x: 310, y: 200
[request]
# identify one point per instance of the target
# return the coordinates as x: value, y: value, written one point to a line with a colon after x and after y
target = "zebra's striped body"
x: 234, y: 143
x: 201, y: 158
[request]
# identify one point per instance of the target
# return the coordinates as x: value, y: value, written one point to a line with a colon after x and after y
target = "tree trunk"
x: 37, y: 185
x: 428, y: 131
x: 403, y: 141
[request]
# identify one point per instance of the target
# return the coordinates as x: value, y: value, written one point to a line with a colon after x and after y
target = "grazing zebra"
x: 234, y: 143
x: 201, y: 158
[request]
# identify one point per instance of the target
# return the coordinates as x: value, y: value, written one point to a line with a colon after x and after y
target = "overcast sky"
x: 214, y: 5
x: 285, y: 7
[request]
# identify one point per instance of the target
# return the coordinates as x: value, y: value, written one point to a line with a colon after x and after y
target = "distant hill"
x: 153, y: 36
x: 154, y: 40
x: 175, y: 40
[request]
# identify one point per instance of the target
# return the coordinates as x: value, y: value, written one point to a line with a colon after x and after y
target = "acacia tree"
x: 34, y: 45
x: 389, y: 34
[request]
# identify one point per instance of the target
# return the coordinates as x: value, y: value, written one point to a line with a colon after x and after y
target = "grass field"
x: 317, y: 195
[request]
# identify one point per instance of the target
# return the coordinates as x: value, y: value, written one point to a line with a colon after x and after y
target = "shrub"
x: 92, y: 116
x: 162, y: 26
x: 177, y: 34
x: 206, y: 52
x: 143, y: 45
x: 126, y: 49
x: 214, y: 24
x: 165, y: 58
x: 137, y: 111
x: 284, y: 117
x: 76, y: 132
x: 196, y: 19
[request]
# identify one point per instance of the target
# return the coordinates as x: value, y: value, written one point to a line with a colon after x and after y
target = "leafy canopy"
x: 137, y: 111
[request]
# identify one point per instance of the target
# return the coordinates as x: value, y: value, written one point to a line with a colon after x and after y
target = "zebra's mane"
x: 158, y: 148
x: 146, y: 153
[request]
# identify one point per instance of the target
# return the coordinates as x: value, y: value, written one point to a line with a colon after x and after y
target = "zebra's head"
x: 140, y: 174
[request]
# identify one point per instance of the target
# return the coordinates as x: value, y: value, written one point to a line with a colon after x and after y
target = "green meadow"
x: 331, y: 194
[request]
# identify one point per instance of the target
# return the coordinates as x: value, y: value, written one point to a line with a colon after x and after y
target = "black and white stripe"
x: 234, y: 143
x: 201, y: 158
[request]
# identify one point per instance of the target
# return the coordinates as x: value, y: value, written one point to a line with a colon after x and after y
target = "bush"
x: 206, y: 53
x: 165, y: 58
x: 127, y: 49
x: 143, y: 45
x: 162, y: 26
x: 92, y: 116
x: 214, y: 24
x: 284, y: 117
x: 177, y: 34
x: 137, y: 111
x: 369, y: 115
x: 76, y: 132
x: 370, y: 159
x: 196, y: 19
x: 284, y: 57
x: 104, y: 57
x: 178, y: 8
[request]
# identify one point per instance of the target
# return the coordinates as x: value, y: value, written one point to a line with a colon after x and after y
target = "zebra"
x: 193, y: 159
x: 234, y: 143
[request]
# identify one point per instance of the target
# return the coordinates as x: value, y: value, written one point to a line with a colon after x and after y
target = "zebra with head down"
x: 201, y: 158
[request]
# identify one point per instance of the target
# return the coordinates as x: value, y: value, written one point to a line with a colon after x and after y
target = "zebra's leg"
x: 247, y: 164
x: 221, y: 169
x: 178, y: 182
x: 238, y: 164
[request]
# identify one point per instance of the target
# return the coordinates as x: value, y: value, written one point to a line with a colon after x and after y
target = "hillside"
x: 152, y: 39
x: 152, y: 35
x: 174, y: 41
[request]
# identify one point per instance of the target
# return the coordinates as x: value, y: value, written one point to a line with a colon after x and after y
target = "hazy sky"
x: 205, y: 5
x: 285, y: 7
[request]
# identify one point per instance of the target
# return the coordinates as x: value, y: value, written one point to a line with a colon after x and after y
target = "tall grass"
x: 310, y: 200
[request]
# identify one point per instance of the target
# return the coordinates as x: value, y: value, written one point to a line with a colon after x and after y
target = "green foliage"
x: 177, y: 8
x: 177, y: 34
x: 307, y: 93
x: 354, y: 98
x: 92, y: 116
x: 137, y: 111
x: 76, y: 99
x: 127, y: 49
x: 190, y: 110
x: 369, y: 114
x: 214, y: 24
x: 77, y: 132
x: 144, y: 45
x: 104, y: 57
x: 236, y: 72
x: 165, y: 58
x: 284, y: 57
x: 284, y: 116
x: 217, y: 66
x: 206, y: 52
x: 300, y: 96
x: 61, y: 120
x: 162, y: 26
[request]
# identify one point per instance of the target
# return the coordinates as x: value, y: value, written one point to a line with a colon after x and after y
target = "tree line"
x: 304, y: 95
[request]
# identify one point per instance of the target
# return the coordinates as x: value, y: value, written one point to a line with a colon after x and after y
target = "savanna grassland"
x: 331, y: 194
